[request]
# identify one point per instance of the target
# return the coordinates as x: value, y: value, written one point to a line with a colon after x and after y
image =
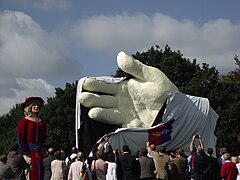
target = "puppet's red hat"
x: 32, y: 98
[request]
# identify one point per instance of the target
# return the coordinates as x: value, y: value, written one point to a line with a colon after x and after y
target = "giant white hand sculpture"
x: 130, y: 103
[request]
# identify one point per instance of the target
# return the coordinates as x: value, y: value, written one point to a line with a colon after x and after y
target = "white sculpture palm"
x: 130, y: 103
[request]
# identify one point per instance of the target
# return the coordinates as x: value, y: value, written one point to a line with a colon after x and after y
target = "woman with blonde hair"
x: 76, y: 168
x: 31, y: 135
x: 234, y: 159
x: 99, y: 166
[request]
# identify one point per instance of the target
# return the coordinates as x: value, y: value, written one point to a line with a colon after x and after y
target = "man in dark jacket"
x: 213, y: 168
x: 17, y: 162
x: 128, y: 164
x: 147, y: 166
x: 47, y: 164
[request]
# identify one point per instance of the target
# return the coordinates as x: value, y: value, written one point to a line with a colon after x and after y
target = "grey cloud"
x: 22, y: 89
x: 25, y: 47
x: 214, y: 42
x: 29, y: 57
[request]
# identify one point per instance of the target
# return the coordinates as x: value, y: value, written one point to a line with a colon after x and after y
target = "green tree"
x: 59, y: 116
x: 8, y: 125
x: 226, y: 102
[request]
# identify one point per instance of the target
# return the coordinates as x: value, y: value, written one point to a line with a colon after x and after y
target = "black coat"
x: 213, y: 168
x: 129, y: 166
x: 47, y: 167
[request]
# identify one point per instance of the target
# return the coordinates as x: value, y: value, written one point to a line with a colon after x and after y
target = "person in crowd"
x: 147, y: 166
x: 118, y: 153
x: 238, y: 167
x: 63, y: 155
x: 31, y: 134
x: 107, y: 148
x: 73, y: 157
x: 189, y: 158
x: 221, y: 160
x: 5, y: 171
x: 161, y: 162
x: 179, y: 166
x: 57, y: 167
x: 100, y: 146
x: 172, y: 155
x: 229, y: 170
x: 99, y: 166
x: 153, y: 148
x: 213, y: 167
x: 128, y: 164
x: 222, y: 151
x: 63, y: 158
x: 29, y: 161
x: 112, y: 167
x: 17, y: 163
x: 234, y: 159
x: 47, y: 163
x: 77, y: 168
x: 199, y: 160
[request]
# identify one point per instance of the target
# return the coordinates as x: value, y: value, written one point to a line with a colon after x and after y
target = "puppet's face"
x: 35, y: 107
x: 32, y: 108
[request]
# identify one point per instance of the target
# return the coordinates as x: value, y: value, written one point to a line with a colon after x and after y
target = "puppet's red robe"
x: 31, y: 138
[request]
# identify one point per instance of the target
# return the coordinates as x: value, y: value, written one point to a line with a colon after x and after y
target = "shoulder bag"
x: 94, y: 174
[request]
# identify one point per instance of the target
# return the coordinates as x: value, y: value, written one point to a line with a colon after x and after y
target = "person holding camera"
x: 199, y: 160
x: 103, y: 145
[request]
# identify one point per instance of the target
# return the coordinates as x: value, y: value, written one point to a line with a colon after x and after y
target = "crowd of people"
x: 104, y: 163
x: 27, y: 161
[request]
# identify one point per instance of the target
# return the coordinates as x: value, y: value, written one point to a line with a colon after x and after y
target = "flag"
x: 161, y: 133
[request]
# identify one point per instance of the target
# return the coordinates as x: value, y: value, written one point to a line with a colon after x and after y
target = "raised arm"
x: 191, y: 147
x: 200, y: 142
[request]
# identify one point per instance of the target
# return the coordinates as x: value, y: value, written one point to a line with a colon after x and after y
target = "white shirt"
x: 73, y: 155
x: 111, y: 171
x: 238, y: 167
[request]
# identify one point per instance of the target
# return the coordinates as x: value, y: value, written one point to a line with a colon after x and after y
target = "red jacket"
x: 229, y: 171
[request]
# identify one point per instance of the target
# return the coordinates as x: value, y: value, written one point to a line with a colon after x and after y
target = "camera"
x: 196, y: 136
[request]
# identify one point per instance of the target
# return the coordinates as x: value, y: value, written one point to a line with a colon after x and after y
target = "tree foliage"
x: 226, y: 97
x: 8, y: 126
x: 59, y: 116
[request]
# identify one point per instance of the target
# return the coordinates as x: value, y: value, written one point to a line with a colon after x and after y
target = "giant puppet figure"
x: 137, y: 102
x: 31, y: 134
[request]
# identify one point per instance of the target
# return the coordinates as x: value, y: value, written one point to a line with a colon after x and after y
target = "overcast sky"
x: 46, y: 43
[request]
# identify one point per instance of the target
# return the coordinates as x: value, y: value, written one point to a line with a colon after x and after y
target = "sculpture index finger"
x: 139, y: 70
